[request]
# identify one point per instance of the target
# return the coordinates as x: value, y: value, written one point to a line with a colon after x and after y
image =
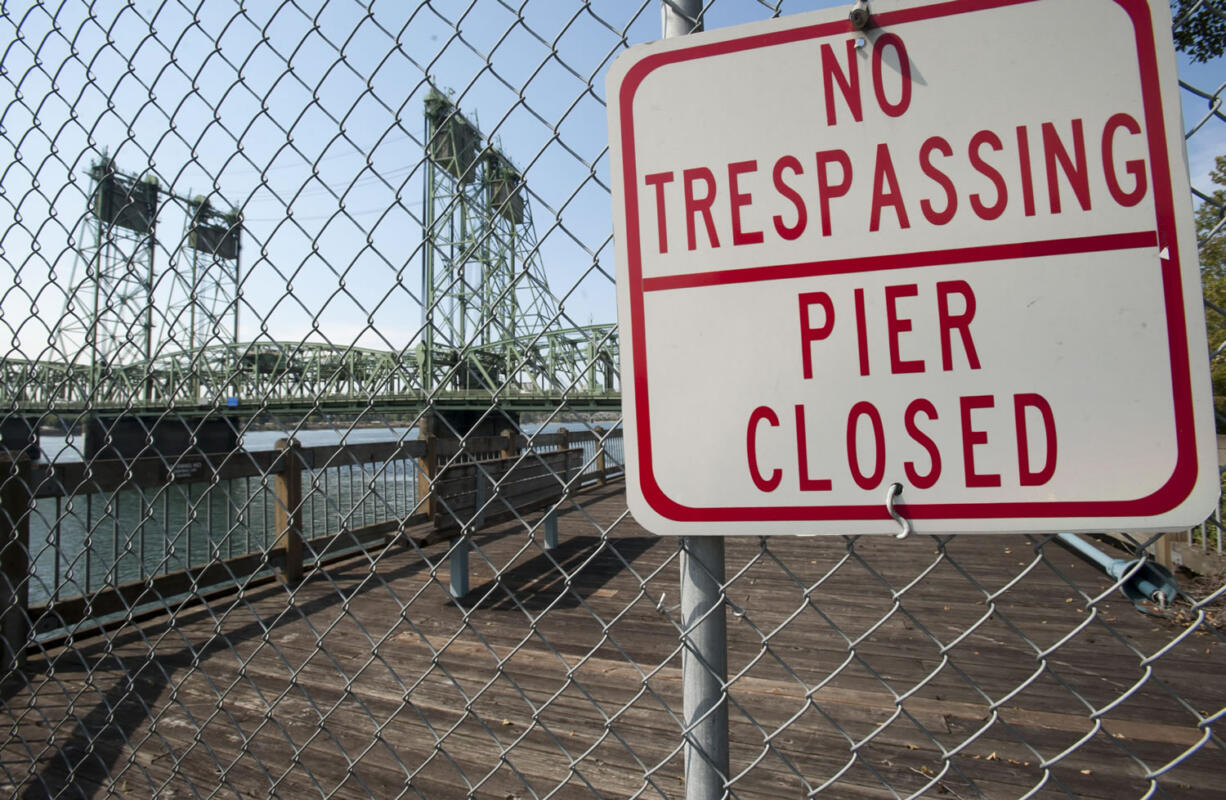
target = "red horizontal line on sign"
x: 928, y: 258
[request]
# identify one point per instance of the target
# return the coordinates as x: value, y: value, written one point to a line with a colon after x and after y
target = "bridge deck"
x: 294, y: 700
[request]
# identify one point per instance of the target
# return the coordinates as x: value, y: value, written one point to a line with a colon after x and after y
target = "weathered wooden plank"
x: 522, y: 485
x: 462, y: 497
x: 322, y: 456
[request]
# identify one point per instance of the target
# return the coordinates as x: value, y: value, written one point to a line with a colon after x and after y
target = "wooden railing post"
x: 601, y: 477
x: 480, y: 496
x: 1161, y: 551
x: 427, y: 468
x: 14, y: 560
x: 289, y: 509
x: 510, y: 449
x: 564, y: 448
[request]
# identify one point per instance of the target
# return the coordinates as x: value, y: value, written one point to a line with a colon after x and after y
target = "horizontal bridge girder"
x: 534, y: 372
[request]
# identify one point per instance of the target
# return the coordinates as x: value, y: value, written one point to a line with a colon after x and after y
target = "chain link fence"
x: 312, y: 454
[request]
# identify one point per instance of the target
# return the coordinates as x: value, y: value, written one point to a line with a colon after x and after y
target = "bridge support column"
x: 458, y: 423
x: 134, y: 435
x: 20, y: 435
x: 14, y: 561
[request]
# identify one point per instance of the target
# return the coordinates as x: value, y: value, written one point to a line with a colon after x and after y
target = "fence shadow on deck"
x: 560, y: 578
x: 90, y: 754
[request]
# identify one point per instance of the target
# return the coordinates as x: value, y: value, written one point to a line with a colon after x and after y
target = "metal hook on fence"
x: 891, y: 494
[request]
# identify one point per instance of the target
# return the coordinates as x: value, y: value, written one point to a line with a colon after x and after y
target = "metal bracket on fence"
x: 1143, y: 580
x: 892, y: 494
x: 860, y: 16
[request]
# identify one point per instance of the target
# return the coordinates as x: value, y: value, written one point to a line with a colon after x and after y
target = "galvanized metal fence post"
x: 704, y: 660
x: 704, y: 667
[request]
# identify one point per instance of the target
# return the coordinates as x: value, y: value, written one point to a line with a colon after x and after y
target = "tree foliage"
x: 1211, y: 230
x: 1200, y: 28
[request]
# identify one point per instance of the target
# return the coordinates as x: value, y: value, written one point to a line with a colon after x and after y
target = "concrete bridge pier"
x: 132, y: 435
x: 20, y: 435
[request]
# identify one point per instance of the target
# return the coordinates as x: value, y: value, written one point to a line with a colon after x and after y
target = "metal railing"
x: 155, y: 528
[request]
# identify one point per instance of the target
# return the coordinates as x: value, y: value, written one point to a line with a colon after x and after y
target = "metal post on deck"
x: 458, y: 567
x: 551, y: 530
x: 704, y: 660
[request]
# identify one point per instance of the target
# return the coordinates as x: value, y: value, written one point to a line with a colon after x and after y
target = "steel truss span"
x: 577, y: 365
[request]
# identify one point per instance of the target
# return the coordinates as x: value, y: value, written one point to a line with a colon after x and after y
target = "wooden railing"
x: 289, y: 509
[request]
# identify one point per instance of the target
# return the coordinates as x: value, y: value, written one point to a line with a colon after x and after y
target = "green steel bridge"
x: 576, y: 368
x: 141, y: 340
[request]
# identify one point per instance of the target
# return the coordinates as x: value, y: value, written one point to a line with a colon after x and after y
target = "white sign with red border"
x: 955, y: 252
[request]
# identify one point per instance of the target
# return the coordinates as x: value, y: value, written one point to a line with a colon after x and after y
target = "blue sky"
x: 308, y: 117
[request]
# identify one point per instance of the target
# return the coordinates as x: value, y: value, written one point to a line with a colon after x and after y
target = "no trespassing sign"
x: 954, y: 252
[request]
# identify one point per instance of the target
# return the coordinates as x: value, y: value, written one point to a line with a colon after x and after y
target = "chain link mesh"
x: 312, y: 456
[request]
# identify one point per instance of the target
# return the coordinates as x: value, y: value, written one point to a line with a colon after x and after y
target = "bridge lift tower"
x: 492, y: 326
x: 124, y: 309
x: 482, y: 284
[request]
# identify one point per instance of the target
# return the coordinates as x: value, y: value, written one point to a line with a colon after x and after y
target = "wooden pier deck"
x: 561, y: 677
